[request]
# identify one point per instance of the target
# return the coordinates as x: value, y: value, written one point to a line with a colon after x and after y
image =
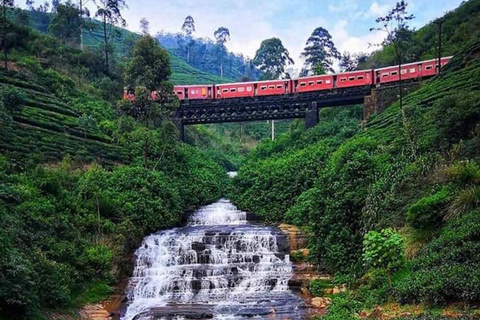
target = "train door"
x: 255, y: 89
x: 287, y: 87
x: 186, y: 93
x: 209, y: 94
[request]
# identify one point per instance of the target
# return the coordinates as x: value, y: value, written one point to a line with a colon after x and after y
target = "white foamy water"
x: 219, y: 265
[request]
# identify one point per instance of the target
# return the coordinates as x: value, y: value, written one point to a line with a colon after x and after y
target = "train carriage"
x: 414, y: 70
x: 194, y: 92
x: 273, y: 87
x: 354, y: 79
x: 313, y: 83
x: 234, y: 90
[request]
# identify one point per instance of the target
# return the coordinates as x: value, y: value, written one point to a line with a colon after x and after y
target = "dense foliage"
x: 81, y: 182
x: 406, y: 185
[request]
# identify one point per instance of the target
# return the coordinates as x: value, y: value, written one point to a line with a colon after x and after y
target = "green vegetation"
x: 460, y: 28
x: 392, y: 207
x: 82, y: 178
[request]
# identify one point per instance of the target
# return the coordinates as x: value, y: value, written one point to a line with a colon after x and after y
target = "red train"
x: 415, y: 70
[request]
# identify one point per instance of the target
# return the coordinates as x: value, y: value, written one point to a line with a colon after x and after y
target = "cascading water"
x: 218, y: 267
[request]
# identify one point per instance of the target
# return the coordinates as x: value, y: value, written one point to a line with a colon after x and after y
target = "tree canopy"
x: 272, y: 58
x: 149, y: 66
x: 320, y: 51
x: 188, y: 26
x: 66, y: 24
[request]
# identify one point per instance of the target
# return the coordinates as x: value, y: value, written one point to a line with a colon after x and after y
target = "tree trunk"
x: 4, y: 22
x: 106, y: 42
x: 81, y: 25
x: 221, y: 68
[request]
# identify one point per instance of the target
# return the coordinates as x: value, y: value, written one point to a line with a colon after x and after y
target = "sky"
x: 251, y: 21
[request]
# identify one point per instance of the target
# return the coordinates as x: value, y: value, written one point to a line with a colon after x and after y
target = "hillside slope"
x: 182, y: 72
x: 393, y: 206
x: 50, y: 120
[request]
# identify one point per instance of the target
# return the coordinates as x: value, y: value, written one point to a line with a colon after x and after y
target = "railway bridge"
x: 293, y: 106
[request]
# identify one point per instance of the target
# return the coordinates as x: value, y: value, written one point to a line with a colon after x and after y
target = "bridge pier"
x: 311, y: 115
x: 181, y: 129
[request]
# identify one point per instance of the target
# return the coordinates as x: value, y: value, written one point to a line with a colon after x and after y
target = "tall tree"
x: 83, y: 12
x: 395, y: 25
x: 66, y: 24
x: 188, y: 28
x: 320, y: 50
x: 30, y: 4
x: 44, y: 7
x: 110, y: 13
x: 55, y: 4
x: 272, y: 58
x: 222, y: 35
x: 145, y: 26
x: 149, y: 65
x: 348, y: 62
x: 5, y: 26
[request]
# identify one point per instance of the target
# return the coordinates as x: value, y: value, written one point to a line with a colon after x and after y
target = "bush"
x: 12, y: 98
x: 428, y: 212
x: 383, y: 249
x: 317, y: 286
x: 446, y: 269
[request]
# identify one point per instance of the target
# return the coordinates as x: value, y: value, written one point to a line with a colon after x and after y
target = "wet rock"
x: 197, y: 312
x: 320, y: 302
x: 254, y: 311
x: 198, y: 246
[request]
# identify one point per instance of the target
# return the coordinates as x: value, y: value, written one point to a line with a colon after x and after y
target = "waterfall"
x: 219, y: 266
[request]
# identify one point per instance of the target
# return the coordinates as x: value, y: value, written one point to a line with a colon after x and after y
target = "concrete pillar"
x: 311, y: 115
x: 181, y: 130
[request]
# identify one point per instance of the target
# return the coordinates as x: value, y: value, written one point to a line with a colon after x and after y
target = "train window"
x: 249, y: 88
x: 412, y: 70
x: 328, y: 81
x: 360, y: 78
x: 179, y: 92
x: 393, y: 73
x: 271, y: 87
x: 263, y: 87
x: 351, y: 78
x: 310, y: 83
x: 219, y: 91
x: 343, y: 79
x: 428, y: 67
x: 233, y: 90
x: 385, y: 74
x: 279, y: 86
x: 241, y: 89
x: 225, y: 90
x: 404, y: 71
x: 320, y: 82
x: 303, y: 84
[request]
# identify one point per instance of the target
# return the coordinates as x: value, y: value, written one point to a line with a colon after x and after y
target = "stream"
x: 219, y: 266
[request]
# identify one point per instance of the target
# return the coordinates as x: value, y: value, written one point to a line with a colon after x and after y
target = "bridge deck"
x: 266, y: 108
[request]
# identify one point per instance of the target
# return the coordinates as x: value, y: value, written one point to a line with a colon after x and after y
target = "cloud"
x: 377, y: 10
x: 346, y: 42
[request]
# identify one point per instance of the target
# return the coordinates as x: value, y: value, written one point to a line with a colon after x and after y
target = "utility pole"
x: 439, y: 22
x: 273, y: 130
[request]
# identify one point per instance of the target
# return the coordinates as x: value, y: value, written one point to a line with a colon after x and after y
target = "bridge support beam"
x: 311, y: 115
x: 181, y: 130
